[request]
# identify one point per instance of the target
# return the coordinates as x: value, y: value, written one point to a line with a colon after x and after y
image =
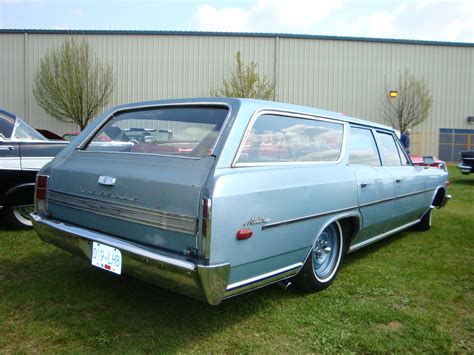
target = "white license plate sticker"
x: 107, y: 258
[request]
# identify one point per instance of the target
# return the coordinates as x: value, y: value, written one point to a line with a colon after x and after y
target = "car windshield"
x: 189, y: 131
x: 24, y: 132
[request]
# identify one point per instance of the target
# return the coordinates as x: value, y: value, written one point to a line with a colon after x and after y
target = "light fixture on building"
x: 393, y: 93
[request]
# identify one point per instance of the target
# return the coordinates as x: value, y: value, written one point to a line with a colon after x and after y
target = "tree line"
x: 72, y: 85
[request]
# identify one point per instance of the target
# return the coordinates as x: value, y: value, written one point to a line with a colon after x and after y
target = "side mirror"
x: 428, y: 160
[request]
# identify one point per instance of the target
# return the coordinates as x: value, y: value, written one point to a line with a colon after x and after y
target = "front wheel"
x: 322, y: 264
x: 19, y: 216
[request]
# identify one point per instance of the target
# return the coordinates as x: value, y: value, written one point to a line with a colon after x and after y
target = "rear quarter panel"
x: 282, y: 193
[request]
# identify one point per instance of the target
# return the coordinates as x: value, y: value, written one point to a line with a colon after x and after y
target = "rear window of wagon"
x: 186, y: 131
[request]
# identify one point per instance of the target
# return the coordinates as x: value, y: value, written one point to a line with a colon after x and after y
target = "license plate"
x: 107, y: 258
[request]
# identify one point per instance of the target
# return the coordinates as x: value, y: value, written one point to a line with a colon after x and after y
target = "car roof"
x: 8, y: 114
x: 261, y: 105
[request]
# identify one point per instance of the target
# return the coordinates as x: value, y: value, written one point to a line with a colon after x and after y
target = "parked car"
x: 467, y: 165
x: 23, y: 151
x: 148, y: 134
x: 429, y: 161
x: 70, y: 135
x: 50, y: 135
x: 264, y: 192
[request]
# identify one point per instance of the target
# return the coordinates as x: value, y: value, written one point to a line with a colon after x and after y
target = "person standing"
x: 405, y: 139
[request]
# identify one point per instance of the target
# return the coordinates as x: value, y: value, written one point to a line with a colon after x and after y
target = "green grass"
x: 411, y: 292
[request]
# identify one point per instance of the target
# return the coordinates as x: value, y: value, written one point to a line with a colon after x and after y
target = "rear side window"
x: 389, y: 149
x: 362, y: 147
x: 23, y: 131
x: 402, y: 152
x: 6, y: 126
x: 187, y: 131
x: 276, y: 138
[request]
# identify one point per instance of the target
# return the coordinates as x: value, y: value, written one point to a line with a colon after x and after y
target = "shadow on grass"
x: 70, y: 302
x: 464, y: 181
x: 373, y: 248
x: 95, y: 309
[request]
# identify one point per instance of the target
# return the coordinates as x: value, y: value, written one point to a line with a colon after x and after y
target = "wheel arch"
x: 350, y: 224
x: 438, y: 197
x: 22, y: 194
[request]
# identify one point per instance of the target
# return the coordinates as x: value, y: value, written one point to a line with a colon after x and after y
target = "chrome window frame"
x: 85, y: 142
x: 292, y: 114
x: 377, y: 148
x: 402, y: 150
x: 377, y: 132
x: 18, y: 122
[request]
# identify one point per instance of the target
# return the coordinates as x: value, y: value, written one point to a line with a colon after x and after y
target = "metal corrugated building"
x: 342, y: 74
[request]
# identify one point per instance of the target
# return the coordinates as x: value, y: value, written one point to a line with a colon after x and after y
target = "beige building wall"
x: 339, y: 74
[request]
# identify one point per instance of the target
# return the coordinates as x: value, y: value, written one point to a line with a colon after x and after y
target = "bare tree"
x: 246, y: 82
x: 71, y: 84
x: 411, y: 106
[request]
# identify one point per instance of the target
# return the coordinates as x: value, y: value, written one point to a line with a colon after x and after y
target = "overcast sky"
x: 436, y: 20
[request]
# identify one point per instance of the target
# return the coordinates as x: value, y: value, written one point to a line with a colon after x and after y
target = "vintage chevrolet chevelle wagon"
x: 217, y: 197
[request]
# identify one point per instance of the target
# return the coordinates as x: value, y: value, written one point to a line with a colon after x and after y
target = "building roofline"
x: 235, y: 34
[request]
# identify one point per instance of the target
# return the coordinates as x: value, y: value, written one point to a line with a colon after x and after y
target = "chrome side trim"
x: 396, y: 197
x: 262, y: 280
x: 164, y: 220
x: 414, y: 193
x: 305, y: 218
x: 381, y: 236
x: 377, y: 201
x: 7, y: 147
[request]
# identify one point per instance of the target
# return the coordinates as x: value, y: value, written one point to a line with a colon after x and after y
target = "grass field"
x: 411, y: 292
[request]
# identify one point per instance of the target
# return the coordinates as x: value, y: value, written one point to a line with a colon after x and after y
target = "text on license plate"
x: 107, y: 258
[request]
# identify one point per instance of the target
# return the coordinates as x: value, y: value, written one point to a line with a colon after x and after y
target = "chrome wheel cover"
x: 22, y: 214
x: 326, y: 252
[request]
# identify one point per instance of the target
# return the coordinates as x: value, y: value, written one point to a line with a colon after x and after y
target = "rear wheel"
x: 322, y: 265
x: 19, y: 216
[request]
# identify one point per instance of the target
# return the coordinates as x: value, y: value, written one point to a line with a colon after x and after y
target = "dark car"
x: 50, y: 135
x: 467, y: 165
x: 23, y: 151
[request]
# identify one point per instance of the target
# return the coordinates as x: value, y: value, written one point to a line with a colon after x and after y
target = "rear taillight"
x: 41, y: 192
x: 206, y: 226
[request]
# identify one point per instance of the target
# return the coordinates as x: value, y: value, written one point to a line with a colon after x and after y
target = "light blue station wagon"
x: 215, y: 197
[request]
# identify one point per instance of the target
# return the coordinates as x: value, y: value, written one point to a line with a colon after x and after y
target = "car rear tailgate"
x: 148, y: 199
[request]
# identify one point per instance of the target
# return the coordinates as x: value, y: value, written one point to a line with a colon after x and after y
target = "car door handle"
x: 398, y: 181
x: 7, y: 147
x: 364, y: 184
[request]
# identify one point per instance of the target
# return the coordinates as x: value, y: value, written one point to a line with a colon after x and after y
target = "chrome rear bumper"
x: 206, y: 283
